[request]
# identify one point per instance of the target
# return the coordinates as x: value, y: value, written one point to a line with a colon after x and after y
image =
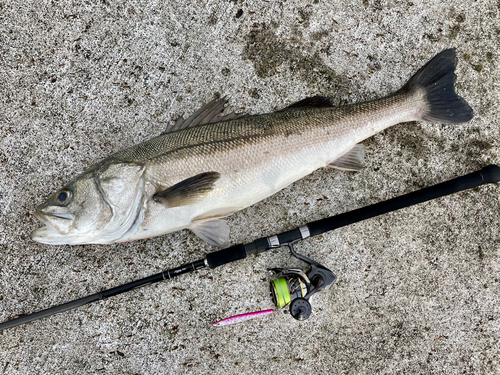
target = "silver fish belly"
x: 208, y: 167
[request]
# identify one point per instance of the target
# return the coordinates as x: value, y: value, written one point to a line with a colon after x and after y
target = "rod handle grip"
x: 224, y: 256
x: 490, y: 173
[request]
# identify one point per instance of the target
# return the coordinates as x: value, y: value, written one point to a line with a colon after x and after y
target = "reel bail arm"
x: 320, y: 276
x: 289, y: 288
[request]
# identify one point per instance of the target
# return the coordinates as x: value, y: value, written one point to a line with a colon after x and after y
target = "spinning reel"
x: 294, y: 287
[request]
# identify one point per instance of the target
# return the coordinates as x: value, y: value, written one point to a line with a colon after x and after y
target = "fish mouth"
x: 44, y: 216
x: 49, y: 234
x: 61, y: 216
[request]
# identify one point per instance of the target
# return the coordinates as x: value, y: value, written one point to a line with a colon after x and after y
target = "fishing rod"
x: 295, y: 287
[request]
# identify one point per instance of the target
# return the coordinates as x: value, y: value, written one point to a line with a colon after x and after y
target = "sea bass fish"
x: 209, y: 166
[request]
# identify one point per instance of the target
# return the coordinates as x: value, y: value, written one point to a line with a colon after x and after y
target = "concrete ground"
x: 418, y: 289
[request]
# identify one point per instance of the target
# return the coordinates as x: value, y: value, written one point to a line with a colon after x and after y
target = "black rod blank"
x: 168, y: 274
x: 489, y: 174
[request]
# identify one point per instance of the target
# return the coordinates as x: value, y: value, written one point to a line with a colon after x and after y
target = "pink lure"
x: 241, y: 318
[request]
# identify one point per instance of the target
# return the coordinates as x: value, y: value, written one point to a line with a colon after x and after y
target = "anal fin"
x: 352, y: 160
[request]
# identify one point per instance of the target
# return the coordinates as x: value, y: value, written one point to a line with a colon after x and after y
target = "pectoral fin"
x: 188, y: 191
x: 215, y: 231
x: 352, y: 160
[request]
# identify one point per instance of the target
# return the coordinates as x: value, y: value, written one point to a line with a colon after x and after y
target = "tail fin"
x: 437, y: 78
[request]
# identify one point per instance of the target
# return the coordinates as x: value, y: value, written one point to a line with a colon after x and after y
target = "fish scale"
x: 248, y: 142
x: 210, y: 167
x: 255, y: 159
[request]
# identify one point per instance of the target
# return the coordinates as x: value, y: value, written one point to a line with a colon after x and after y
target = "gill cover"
x: 121, y: 186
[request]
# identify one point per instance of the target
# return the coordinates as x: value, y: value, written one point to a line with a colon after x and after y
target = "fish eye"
x: 63, y: 196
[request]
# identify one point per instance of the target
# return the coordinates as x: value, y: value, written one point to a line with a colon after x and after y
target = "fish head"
x: 100, y: 206
x: 73, y: 213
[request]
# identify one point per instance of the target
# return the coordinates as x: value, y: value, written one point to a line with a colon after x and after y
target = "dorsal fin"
x: 311, y: 102
x: 209, y: 113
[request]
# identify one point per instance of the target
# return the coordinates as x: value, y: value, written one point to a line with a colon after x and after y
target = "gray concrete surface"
x: 418, y: 290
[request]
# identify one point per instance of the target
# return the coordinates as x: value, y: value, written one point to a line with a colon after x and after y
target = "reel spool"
x: 287, y: 288
x: 290, y: 289
x: 294, y: 287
